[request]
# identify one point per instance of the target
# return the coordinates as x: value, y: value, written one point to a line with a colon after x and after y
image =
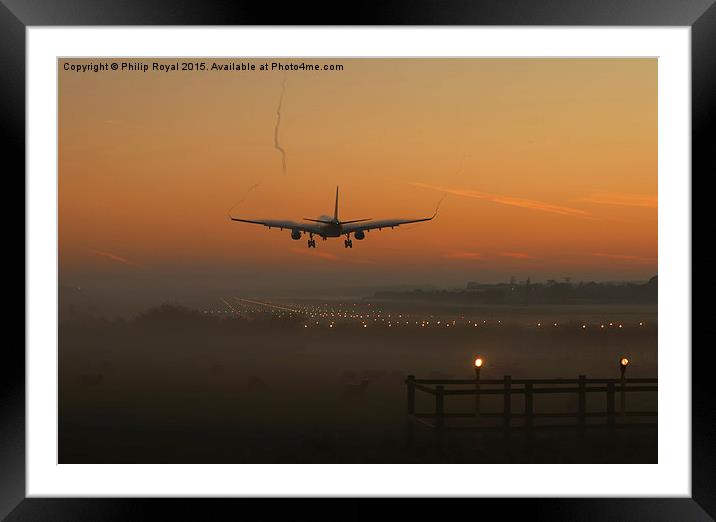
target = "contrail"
x: 252, y: 187
x: 276, y: 144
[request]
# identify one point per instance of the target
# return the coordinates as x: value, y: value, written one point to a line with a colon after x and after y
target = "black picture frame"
x: 17, y: 15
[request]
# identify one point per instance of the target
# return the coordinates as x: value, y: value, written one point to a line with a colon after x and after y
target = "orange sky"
x: 549, y: 166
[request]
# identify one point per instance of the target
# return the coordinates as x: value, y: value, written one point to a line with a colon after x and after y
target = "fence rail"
x: 528, y: 388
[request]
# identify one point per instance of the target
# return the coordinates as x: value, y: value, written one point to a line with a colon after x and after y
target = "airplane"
x: 332, y: 227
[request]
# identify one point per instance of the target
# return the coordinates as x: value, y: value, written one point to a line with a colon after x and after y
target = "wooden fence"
x: 508, y: 387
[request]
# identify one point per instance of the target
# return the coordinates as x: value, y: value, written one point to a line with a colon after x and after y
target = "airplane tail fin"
x: 335, y: 213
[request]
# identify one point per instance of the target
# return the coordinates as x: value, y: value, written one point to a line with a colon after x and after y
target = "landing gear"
x: 311, y: 242
x: 348, y: 243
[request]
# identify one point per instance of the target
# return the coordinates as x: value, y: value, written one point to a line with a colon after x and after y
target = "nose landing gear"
x: 311, y: 242
x: 348, y: 243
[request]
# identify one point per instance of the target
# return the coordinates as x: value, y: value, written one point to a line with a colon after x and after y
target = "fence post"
x: 477, y: 394
x: 410, y: 381
x: 582, y: 403
x: 529, y: 408
x: 439, y: 407
x: 507, y: 410
x: 610, y: 404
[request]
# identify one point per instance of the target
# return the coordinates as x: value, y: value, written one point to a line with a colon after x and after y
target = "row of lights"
x: 317, y: 312
x: 584, y: 325
x: 448, y: 324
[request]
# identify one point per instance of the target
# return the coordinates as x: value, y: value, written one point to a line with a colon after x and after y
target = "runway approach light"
x: 478, y: 362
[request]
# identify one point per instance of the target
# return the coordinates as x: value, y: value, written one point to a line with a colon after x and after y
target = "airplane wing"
x: 381, y: 223
x: 281, y: 224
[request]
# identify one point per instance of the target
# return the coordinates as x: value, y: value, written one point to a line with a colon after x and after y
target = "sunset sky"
x: 548, y: 167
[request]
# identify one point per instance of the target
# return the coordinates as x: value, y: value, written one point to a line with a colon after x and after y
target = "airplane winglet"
x: 437, y: 207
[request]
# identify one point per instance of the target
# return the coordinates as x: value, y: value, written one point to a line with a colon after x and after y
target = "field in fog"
x: 291, y: 383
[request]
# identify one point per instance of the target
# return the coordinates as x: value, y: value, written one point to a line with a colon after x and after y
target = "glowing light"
x: 624, y: 362
x: 539, y: 324
x: 584, y: 326
x: 641, y: 324
x: 478, y: 362
x: 620, y: 326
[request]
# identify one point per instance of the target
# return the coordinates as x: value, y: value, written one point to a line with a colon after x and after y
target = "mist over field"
x: 256, y: 380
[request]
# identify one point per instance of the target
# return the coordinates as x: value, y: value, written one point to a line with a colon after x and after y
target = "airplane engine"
x: 296, y: 235
x: 359, y: 235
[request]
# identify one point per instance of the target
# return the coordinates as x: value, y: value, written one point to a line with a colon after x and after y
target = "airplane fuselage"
x: 331, y: 230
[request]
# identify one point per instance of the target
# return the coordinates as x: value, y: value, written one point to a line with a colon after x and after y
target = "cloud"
x: 626, y: 257
x: 531, y: 204
x: 114, y: 257
x: 464, y: 255
x: 516, y: 255
x: 628, y: 200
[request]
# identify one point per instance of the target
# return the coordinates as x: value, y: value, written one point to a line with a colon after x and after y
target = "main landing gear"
x: 311, y: 242
x: 348, y: 243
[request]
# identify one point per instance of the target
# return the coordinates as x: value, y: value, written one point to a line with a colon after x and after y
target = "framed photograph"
x: 433, y: 254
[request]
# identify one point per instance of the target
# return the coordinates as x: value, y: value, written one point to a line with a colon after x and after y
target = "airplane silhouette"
x: 334, y: 227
